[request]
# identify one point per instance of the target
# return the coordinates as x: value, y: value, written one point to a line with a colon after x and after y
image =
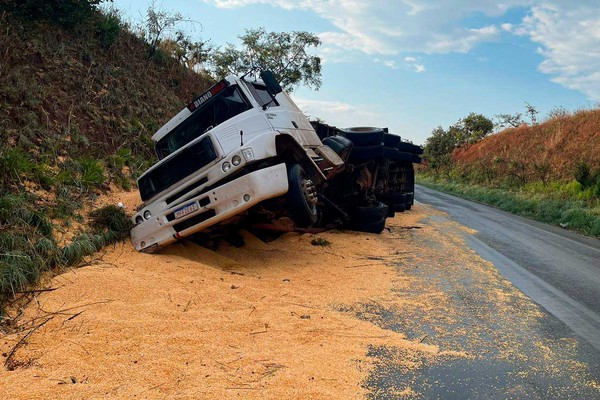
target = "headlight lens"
x: 139, y: 219
x: 147, y: 214
x: 226, y: 166
x: 236, y: 160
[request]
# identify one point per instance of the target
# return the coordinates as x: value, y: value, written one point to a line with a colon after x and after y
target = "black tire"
x: 370, y: 227
x: 416, y: 158
x: 410, y: 200
x: 400, y: 207
x: 405, y: 146
x: 398, y: 198
x: 391, y: 140
x: 408, y: 206
x: 363, y: 214
x: 301, y: 197
x: 417, y: 150
x: 366, y: 153
x: 364, y: 136
x: 395, y: 155
x: 341, y: 145
x: 391, y: 213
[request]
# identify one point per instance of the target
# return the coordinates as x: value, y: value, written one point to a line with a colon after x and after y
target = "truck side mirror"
x: 270, y: 82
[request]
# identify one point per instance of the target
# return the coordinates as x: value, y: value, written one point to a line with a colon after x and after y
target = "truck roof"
x: 188, y: 110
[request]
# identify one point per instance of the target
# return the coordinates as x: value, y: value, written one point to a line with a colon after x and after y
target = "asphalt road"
x: 556, y: 268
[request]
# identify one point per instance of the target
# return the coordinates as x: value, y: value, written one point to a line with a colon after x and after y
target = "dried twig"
x: 14, y: 349
x: 37, y: 290
x: 362, y: 265
x: 74, y: 315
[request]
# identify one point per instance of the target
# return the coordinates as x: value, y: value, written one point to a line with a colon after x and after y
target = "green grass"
x: 28, y: 248
x: 576, y: 212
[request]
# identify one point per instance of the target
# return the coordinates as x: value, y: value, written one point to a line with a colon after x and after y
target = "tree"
x: 285, y: 54
x: 68, y: 13
x: 514, y: 120
x: 439, y: 147
x: 476, y: 127
x: 158, y: 23
x: 191, y: 54
x: 532, y: 112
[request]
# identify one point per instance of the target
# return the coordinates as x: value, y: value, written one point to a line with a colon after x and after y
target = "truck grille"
x: 182, y: 165
x: 196, y: 219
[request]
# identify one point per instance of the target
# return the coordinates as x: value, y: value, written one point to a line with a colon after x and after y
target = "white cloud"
x: 392, y: 27
x: 388, y: 63
x: 568, y: 33
x: 419, y: 68
x: 340, y: 114
x: 413, y: 64
x: 569, y: 41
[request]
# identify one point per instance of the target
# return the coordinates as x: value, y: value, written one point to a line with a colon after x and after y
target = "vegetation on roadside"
x: 29, y: 246
x: 80, y: 98
x: 541, y: 205
x: 547, y: 171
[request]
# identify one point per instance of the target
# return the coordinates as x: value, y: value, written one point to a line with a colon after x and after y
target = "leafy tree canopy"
x: 68, y: 13
x: 468, y: 130
x: 286, y: 54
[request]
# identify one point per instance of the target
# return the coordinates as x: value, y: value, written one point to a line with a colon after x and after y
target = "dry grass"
x: 560, y: 143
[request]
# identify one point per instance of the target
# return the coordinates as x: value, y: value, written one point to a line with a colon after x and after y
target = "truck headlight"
x: 138, y: 219
x: 226, y: 166
x: 147, y: 214
x: 236, y: 160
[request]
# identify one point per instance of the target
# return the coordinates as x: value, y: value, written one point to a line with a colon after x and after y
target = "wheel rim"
x: 310, y: 193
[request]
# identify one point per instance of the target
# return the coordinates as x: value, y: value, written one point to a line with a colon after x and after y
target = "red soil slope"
x: 560, y: 143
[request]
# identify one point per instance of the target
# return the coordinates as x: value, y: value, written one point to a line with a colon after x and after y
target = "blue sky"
x: 413, y: 65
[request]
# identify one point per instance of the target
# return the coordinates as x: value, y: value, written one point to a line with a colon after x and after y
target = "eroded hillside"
x: 550, y: 150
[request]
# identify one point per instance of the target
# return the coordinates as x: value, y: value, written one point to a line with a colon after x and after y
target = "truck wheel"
x: 395, y: 155
x: 341, y: 145
x: 366, y: 153
x: 363, y: 214
x: 398, y: 198
x: 364, y: 136
x: 391, y: 213
x: 400, y: 207
x: 410, y: 200
x: 417, y: 150
x: 406, y: 147
x: 301, y: 197
x: 370, y: 227
x: 391, y: 140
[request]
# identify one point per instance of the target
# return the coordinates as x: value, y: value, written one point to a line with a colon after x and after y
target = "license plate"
x: 185, y: 210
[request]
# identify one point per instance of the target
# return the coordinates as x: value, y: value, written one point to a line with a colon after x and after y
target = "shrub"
x: 92, y: 173
x: 109, y: 27
x: 583, y: 174
x: 68, y: 13
x: 112, y: 219
x: 15, y: 164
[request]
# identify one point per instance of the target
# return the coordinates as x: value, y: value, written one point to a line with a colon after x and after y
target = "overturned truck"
x: 243, y: 151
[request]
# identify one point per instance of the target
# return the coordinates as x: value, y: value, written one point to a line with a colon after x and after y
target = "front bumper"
x: 221, y: 203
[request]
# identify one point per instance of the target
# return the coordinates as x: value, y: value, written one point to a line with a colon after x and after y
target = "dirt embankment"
x: 553, y: 147
x: 408, y: 313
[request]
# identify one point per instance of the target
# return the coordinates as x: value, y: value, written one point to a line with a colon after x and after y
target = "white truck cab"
x: 208, y: 154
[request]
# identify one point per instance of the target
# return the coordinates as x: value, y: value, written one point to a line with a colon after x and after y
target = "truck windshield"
x: 225, y: 105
